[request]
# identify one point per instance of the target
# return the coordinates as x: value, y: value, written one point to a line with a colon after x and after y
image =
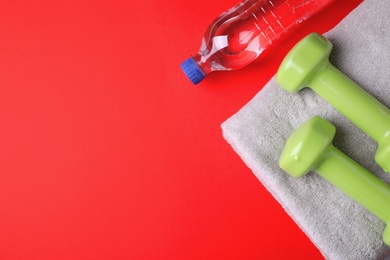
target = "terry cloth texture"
x: 337, y: 225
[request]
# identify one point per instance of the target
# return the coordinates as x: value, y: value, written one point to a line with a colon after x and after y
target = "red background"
x: 107, y: 151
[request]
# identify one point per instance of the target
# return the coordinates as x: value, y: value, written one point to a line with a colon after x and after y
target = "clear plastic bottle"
x: 237, y: 37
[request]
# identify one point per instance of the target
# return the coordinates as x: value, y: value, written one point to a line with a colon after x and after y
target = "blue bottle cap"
x: 192, y: 71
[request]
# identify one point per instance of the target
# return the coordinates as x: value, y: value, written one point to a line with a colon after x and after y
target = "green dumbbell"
x: 307, y: 64
x: 310, y: 148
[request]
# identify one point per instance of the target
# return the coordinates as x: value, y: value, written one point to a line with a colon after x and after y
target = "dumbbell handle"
x: 360, y: 107
x: 355, y: 181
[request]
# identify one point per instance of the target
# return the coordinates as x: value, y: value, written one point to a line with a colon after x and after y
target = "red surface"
x: 108, y: 152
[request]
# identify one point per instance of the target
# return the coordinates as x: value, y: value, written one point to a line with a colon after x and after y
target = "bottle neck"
x: 203, y: 63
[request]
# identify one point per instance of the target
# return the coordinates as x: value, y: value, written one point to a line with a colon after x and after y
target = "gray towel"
x: 338, y: 226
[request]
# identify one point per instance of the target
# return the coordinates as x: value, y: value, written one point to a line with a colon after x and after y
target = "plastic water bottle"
x: 237, y: 37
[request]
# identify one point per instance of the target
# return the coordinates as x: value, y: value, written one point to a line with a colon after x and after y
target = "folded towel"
x: 337, y: 225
